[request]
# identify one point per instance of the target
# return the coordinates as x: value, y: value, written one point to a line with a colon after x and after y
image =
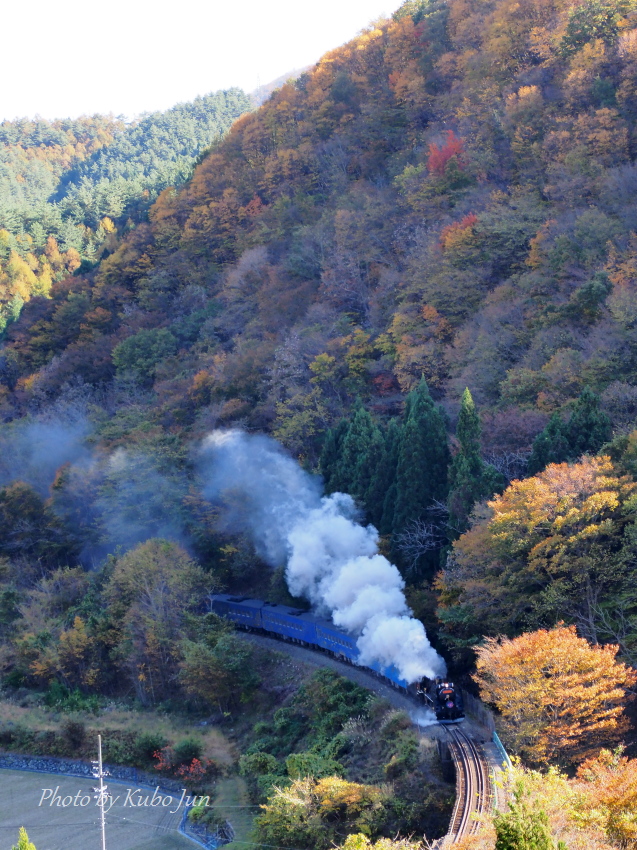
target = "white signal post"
x: 100, y: 791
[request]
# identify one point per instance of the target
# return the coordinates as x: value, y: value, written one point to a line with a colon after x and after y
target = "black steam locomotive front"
x: 447, y: 702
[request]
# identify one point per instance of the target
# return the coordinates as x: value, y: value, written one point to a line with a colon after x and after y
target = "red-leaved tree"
x: 440, y: 156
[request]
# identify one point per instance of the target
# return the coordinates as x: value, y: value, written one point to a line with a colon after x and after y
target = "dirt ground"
x: 53, y: 827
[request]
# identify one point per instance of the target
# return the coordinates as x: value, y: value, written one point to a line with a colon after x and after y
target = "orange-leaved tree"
x: 609, y: 784
x: 560, y: 697
x: 550, y: 548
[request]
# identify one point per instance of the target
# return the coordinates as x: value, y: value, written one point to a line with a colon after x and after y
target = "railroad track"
x: 474, y: 791
x: 474, y: 786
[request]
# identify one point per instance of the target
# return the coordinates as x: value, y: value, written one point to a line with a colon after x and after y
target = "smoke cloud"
x: 330, y: 558
x: 107, y: 501
x: 32, y: 450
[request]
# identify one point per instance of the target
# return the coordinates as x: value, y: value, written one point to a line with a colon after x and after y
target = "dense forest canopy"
x: 66, y: 187
x: 416, y: 267
x: 449, y: 195
x: 431, y: 229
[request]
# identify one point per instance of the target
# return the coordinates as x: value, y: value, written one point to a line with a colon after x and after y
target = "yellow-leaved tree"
x: 609, y: 783
x: 595, y: 810
x: 560, y: 697
x: 23, y: 841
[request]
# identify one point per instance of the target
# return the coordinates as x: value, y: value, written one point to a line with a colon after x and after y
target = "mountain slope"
x: 66, y: 187
x: 450, y: 194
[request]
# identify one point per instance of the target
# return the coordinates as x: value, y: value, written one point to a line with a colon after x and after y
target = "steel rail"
x: 473, y: 785
x: 474, y: 788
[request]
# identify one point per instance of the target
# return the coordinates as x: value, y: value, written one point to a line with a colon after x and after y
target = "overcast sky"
x: 64, y: 58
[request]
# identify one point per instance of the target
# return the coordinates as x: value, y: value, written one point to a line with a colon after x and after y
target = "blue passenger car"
x: 298, y: 626
x: 290, y: 623
x: 390, y: 673
x: 241, y: 610
x: 334, y: 640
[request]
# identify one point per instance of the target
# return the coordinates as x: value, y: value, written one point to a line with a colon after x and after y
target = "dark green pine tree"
x: 470, y: 478
x: 589, y: 427
x: 360, y: 453
x: 329, y: 460
x: 423, y: 459
x: 353, y: 461
x: 550, y: 446
x: 382, y: 490
x: 585, y: 433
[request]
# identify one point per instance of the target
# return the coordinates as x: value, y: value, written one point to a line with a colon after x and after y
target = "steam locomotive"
x: 305, y: 629
x: 447, y: 702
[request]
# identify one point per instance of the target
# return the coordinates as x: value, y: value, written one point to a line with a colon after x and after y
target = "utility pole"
x: 100, y: 791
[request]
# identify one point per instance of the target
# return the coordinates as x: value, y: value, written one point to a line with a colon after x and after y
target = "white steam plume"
x: 330, y: 558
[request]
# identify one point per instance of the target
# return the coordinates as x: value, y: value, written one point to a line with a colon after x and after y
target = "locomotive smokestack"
x: 330, y: 558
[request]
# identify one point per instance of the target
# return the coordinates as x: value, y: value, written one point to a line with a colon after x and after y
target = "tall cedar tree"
x: 470, y: 478
x: 330, y: 455
x: 585, y: 433
x: 360, y: 453
x: 423, y: 459
x: 385, y: 483
x: 355, y: 460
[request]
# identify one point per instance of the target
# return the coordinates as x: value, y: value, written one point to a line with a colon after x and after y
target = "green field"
x: 77, y: 828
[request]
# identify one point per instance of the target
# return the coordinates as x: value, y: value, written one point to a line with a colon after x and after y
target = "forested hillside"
x: 416, y: 267
x: 442, y: 206
x: 67, y: 187
x: 448, y: 195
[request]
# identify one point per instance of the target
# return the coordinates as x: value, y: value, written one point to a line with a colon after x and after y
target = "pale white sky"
x: 64, y: 58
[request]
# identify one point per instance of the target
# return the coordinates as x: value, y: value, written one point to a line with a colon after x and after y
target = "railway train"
x: 304, y: 628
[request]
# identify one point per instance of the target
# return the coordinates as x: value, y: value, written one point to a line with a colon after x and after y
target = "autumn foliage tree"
x: 559, y: 697
x: 594, y: 810
x: 313, y: 814
x: 552, y: 547
x: 439, y: 155
x: 150, y: 593
x: 609, y: 781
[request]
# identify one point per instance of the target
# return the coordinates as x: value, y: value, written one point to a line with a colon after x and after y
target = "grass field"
x: 77, y: 828
x: 233, y: 804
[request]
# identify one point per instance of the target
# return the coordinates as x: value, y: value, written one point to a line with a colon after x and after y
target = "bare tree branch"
x: 418, y: 538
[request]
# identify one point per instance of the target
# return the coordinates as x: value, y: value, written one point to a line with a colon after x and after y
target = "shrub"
x: 68, y: 701
x: 257, y: 764
x: 146, y: 745
x: 187, y: 750
x: 74, y: 734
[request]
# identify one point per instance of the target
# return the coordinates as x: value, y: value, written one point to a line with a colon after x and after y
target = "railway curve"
x: 474, y: 786
x: 475, y: 764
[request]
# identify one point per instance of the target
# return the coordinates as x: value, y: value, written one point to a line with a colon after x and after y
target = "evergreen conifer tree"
x: 354, y: 460
x: 328, y: 461
x: 470, y: 478
x: 585, y: 433
x: 360, y: 453
x: 423, y: 459
x: 385, y: 493
x: 524, y: 828
x: 589, y: 427
x: 550, y: 446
